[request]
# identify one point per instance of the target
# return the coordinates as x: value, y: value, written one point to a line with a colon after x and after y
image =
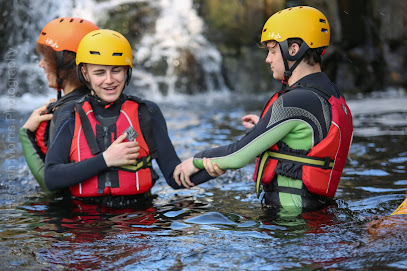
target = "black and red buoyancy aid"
x: 43, y: 133
x: 323, y: 165
x: 127, y: 180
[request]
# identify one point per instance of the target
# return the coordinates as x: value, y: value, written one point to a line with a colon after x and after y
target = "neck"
x: 302, y: 70
x: 68, y: 87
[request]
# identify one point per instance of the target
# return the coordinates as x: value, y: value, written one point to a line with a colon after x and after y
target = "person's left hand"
x: 183, y: 171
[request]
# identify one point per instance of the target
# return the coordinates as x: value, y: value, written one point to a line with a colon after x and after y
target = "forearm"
x: 33, y: 156
x: 240, y: 153
x: 60, y: 172
x: 63, y: 175
x: 167, y: 157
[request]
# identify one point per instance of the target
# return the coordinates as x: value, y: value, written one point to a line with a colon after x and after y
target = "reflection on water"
x: 220, y: 224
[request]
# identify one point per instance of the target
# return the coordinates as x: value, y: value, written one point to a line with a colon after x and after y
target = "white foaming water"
x: 178, y: 29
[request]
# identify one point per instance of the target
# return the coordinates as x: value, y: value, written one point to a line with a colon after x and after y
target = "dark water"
x: 219, y: 225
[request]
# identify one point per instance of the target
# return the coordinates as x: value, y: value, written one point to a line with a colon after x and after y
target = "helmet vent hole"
x: 71, y: 21
x: 322, y: 21
x: 116, y: 35
x: 43, y: 33
x: 94, y: 53
x: 265, y: 29
x: 61, y: 20
x: 324, y: 30
x: 117, y: 54
x: 81, y: 21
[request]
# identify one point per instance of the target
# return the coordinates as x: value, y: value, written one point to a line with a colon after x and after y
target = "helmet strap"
x: 61, y: 66
x: 287, y: 57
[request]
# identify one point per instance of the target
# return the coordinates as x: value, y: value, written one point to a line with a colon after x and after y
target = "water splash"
x: 173, y: 59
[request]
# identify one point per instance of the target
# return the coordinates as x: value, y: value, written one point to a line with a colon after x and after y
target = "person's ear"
x: 85, y: 74
x: 294, y: 48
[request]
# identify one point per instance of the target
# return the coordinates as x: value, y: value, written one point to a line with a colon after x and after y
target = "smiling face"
x: 275, y: 59
x: 49, y: 71
x: 107, y: 81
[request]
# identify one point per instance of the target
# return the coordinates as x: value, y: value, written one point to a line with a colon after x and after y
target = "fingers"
x: 186, y: 181
x: 213, y: 169
x: 36, y: 118
x: 176, y: 174
x: 250, y: 120
x: 218, y: 170
x: 120, y: 139
x: 121, y: 153
x: 46, y: 117
x: 182, y: 173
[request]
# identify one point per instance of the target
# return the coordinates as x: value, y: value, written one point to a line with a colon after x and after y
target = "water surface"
x: 219, y: 225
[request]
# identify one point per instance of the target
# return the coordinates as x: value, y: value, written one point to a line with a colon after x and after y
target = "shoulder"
x: 152, y: 107
x: 299, y: 97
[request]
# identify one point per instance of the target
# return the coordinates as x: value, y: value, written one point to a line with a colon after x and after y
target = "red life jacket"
x: 323, y: 165
x: 43, y: 133
x: 130, y: 180
x: 41, y: 136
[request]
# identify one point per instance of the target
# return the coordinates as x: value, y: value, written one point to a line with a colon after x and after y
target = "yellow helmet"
x: 306, y: 23
x: 104, y: 47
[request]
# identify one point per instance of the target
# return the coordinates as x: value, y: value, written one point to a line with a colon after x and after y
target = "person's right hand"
x: 36, y: 118
x: 250, y: 120
x: 213, y: 169
x: 121, y: 153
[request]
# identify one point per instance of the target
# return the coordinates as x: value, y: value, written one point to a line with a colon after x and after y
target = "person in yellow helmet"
x: 303, y: 135
x: 57, y: 45
x: 104, y: 149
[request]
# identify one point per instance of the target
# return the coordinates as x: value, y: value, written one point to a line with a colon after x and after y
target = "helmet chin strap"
x: 61, y: 66
x: 287, y: 57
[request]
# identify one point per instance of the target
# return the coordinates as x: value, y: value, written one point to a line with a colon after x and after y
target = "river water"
x: 219, y: 225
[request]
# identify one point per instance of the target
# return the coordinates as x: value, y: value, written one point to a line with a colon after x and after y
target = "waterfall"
x: 173, y: 58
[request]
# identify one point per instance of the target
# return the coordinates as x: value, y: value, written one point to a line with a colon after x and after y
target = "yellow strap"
x: 402, y: 209
x: 299, y: 159
x: 260, y: 170
x: 139, y: 165
x: 288, y: 157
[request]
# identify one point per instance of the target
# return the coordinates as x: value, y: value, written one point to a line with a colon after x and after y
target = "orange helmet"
x: 65, y: 33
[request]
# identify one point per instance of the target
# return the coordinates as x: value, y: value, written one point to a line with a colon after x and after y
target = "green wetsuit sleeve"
x: 240, y: 153
x: 34, y: 160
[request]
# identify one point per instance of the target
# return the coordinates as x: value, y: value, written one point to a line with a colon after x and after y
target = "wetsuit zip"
x: 106, y: 145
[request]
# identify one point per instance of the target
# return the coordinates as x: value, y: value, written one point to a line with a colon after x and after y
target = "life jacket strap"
x: 288, y: 190
x: 324, y: 163
x: 142, y: 163
x: 87, y: 129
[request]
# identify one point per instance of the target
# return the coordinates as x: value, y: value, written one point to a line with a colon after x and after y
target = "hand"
x: 250, y: 120
x: 183, y: 171
x: 213, y: 169
x: 121, y: 153
x: 36, y: 118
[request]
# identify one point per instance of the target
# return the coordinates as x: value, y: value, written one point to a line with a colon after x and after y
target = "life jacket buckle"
x: 327, y: 161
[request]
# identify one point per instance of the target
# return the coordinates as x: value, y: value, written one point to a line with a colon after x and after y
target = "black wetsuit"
x: 298, y: 120
x: 60, y: 173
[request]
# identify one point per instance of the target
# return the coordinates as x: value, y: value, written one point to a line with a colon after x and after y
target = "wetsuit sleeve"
x: 254, y: 142
x: 33, y: 156
x: 167, y: 157
x: 59, y: 171
x: 299, y: 117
